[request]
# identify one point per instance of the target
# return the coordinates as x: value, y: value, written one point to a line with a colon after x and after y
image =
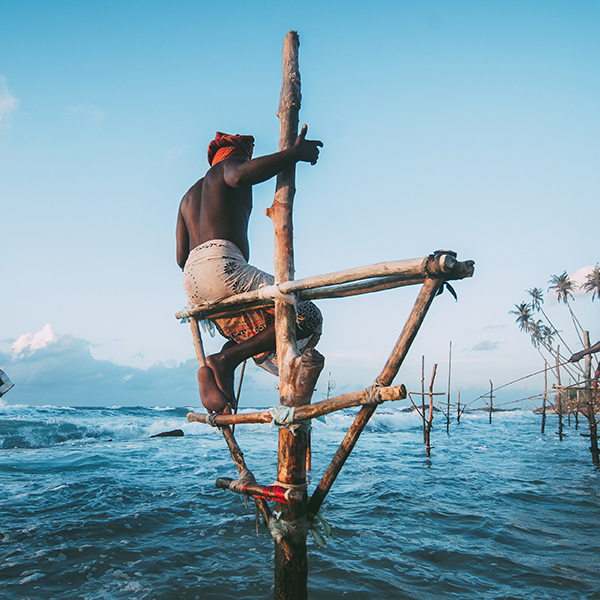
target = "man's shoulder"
x: 193, y: 194
x: 217, y: 171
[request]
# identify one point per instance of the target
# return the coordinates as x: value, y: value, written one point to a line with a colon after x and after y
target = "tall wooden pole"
x: 448, y: 403
x: 491, y: 400
x: 423, y: 399
x: 545, y: 396
x: 559, y: 395
x: 430, y: 415
x: 297, y: 373
x: 591, y: 414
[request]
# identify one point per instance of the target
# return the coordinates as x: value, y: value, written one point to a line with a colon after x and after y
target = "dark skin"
x: 591, y: 350
x: 218, y: 206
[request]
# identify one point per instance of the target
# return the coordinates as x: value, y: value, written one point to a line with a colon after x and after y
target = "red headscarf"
x: 225, y: 145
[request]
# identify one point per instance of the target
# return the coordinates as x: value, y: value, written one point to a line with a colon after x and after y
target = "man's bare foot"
x: 212, y: 397
x: 223, y: 374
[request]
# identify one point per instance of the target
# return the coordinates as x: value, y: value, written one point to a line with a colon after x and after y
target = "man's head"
x: 224, y: 146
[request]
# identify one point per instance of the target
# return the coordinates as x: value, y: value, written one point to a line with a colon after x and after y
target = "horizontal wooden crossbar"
x: 270, y: 492
x: 310, y: 411
x: 350, y: 282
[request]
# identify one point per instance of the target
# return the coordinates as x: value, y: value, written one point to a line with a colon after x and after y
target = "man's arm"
x: 183, y: 239
x: 257, y: 170
x: 591, y: 350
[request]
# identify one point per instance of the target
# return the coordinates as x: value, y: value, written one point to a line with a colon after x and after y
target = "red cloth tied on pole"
x: 274, y: 492
x: 224, y: 146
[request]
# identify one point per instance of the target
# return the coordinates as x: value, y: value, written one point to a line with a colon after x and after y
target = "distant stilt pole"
x: 423, y: 399
x: 448, y: 404
x: 591, y: 398
x: 559, y: 395
x: 491, y: 400
x: 430, y: 415
x: 545, y: 395
x: 458, y: 409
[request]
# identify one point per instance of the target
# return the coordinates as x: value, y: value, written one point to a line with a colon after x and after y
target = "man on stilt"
x: 213, y: 251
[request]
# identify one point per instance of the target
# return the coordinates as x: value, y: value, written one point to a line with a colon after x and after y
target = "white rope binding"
x: 272, y: 292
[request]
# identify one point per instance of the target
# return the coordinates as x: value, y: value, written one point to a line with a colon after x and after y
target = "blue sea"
x: 93, y: 508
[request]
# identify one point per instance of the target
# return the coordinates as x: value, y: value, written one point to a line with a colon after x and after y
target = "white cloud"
x: 8, y: 103
x: 35, y: 341
x: 579, y: 278
x: 51, y: 368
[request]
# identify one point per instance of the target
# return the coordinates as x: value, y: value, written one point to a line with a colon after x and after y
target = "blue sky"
x: 466, y: 125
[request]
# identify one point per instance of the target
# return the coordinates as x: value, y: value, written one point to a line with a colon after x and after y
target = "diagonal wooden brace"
x: 415, y: 319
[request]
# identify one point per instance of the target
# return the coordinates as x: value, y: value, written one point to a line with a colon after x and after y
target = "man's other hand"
x: 577, y: 357
x: 308, y: 150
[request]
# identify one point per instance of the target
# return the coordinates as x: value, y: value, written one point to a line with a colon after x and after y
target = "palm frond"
x: 563, y: 286
x: 592, y: 282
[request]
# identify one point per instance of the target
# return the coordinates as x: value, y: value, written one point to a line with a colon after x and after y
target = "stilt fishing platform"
x: 296, y: 513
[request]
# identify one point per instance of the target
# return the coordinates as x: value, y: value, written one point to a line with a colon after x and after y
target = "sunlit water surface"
x: 92, y: 508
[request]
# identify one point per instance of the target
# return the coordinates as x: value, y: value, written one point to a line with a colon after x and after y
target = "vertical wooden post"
x: 423, y: 399
x: 458, y: 409
x: 448, y: 404
x: 430, y: 415
x: 591, y: 413
x: 568, y: 401
x: 297, y: 373
x: 545, y: 396
x: 559, y: 395
x: 491, y: 400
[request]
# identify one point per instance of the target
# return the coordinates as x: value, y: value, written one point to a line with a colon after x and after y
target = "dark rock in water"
x: 174, y: 433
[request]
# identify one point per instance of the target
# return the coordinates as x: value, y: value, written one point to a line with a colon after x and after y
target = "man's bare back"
x: 218, y: 207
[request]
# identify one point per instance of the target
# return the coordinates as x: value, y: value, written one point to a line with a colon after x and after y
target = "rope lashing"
x: 207, y: 325
x: 298, y: 529
x: 289, y: 487
x: 185, y: 315
x: 272, y: 292
x: 373, y: 393
x: 283, y: 416
x: 240, y: 484
x: 212, y: 419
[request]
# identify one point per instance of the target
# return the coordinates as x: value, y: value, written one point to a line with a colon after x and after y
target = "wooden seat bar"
x: 309, y: 411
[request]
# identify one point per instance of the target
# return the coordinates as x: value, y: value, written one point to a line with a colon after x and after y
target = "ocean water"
x: 92, y: 508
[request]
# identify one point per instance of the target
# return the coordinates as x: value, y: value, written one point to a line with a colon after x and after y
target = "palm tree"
x: 537, y: 300
x: 524, y: 316
x: 592, y: 283
x: 563, y: 286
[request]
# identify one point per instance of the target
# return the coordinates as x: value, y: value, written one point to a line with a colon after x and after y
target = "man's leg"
x: 224, y: 363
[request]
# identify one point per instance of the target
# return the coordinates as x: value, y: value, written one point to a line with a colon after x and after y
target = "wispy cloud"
x: 8, y: 102
x: 173, y: 154
x: 486, y: 345
x: 89, y: 112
